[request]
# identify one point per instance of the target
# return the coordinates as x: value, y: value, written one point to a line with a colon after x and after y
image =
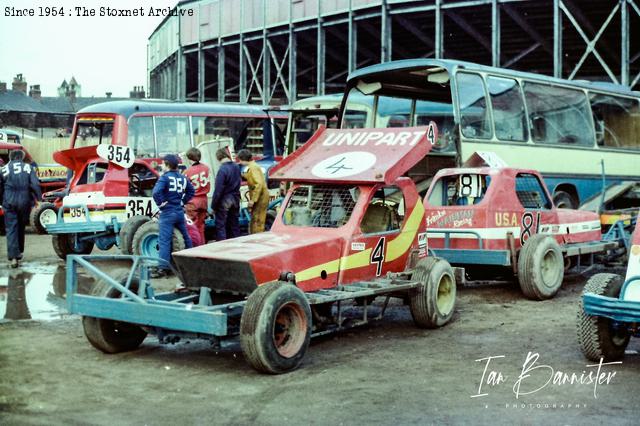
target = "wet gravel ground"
x: 388, y: 372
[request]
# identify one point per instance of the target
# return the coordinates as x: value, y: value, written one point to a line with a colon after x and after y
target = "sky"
x: 105, y: 54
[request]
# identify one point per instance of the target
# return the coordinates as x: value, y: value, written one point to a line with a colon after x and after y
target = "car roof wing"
x: 357, y: 156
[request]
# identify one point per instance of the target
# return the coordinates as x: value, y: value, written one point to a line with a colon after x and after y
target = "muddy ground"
x: 386, y: 373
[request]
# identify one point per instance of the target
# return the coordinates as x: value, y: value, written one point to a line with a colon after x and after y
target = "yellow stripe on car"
x: 395, y: 249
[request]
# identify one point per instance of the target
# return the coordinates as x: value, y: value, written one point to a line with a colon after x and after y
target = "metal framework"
x: 278, y: 62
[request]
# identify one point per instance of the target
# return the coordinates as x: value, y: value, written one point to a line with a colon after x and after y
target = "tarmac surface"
x: 389, y: 372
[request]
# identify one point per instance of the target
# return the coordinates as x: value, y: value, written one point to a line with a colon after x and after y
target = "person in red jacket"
x: 199, y: 175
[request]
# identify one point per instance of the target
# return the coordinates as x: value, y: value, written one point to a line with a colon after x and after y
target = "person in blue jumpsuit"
x: 172, y: 191
x: 226, y: 197
x: 19, y: 188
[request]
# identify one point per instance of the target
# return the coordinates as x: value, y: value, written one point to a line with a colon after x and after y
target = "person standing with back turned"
x: 258, y: 192
x: 18, y: 187
x: 199, y: 174
x: 172, y: 191
x: 226, y: 197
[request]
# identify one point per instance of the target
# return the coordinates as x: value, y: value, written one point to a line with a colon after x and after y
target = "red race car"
x: 502, y: 217
x: 351, y: 228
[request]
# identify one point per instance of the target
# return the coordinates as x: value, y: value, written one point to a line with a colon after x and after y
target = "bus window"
x: 393, y: 112
x: 245, y: 132
x: 305, y: 125
x: 617, y: 121
x: 358, y: 109
x: 558, y: 115
x: 442, y: 114
x: 172, y: 135
x: 473, y: 106
x: 531, y: 193
x: 140, y: 137
x: 207, y: 128
x: 92, y: 133
x: 508, y: 109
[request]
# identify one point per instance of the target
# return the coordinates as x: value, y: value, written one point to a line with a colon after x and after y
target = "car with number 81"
x: 494, y: 220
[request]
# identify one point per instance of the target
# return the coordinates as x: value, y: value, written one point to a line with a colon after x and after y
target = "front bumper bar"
x: 610, y: 307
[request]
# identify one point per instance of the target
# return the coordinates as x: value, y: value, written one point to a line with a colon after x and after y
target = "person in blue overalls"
x: 172, y: 191
x: 19, y: 188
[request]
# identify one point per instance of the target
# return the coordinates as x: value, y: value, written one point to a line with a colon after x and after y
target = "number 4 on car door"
x: 377, y: 256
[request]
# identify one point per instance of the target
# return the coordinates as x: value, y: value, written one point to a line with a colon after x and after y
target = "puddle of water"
x: 33, y: 293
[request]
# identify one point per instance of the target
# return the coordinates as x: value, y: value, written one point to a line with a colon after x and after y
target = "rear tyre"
x: 42, y: 215
x: 146, y: 240
x: 433, y: 303
x: 596, y: 335
x: 64, y: 244
x: 128, y: 230
x: 111, y: 336
x: 275, y: 327
x: 540, y: 267
x: 564, y: 200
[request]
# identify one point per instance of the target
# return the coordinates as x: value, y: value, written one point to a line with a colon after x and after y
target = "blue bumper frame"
x: 612, y: 307
x: 60, y: 227
x: 167, y: 311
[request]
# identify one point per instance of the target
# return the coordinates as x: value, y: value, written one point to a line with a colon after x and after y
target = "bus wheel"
x: 146, y: 240
x: 64, y: 244
x: 275, y: 327
x: 111, y: 336
x: 598, y: 337
x: 433, y: 302
x: 563, y: 200
x: 540, y: 267
x: 43, y: 215
x: 128, y: 230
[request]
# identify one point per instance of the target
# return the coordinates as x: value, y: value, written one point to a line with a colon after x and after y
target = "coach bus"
x: 568, y: 130
x: 115, y: 153
x: 156, y: 128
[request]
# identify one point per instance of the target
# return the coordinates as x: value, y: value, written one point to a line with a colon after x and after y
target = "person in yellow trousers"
x: 258, y: 192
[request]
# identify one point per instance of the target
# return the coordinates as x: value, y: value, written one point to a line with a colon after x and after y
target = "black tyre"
x: 596, y: 335
x: 564, y: 200
x: 64, y: 244
x: 128, y: 230
x: 146, y: 240
x: 111, y: 336
x: 275, y: 327
x: 42, y: 215
x: 3, y: 230
x: 540, y: 267
x: 270, y: 218
x: 433, y: 303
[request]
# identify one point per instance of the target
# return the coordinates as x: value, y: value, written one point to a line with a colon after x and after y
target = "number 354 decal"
x: 139, y: 207
x: 377, y: 256
x: 118, y: 154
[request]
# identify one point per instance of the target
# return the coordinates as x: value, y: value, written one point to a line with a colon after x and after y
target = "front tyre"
x: 65, y: 244
x: 275, y: 327
x: 111, y: 336
x: 433, y: 303
x: 597, y: 336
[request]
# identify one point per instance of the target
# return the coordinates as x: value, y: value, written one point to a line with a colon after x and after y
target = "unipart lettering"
x: 363, y: 138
